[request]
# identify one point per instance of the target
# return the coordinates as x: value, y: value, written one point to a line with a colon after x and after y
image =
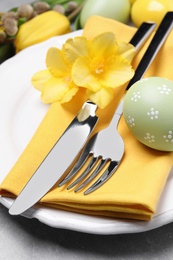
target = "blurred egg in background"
x: 149, y: 10
x: 114, y: 9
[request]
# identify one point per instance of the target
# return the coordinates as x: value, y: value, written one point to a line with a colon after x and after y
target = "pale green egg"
x: 114, y: 9
x: 148, y: 112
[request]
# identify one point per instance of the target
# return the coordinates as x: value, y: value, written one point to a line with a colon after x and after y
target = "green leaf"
x: 77, y: 25
x: 7, y: 50
x: 21, y: 21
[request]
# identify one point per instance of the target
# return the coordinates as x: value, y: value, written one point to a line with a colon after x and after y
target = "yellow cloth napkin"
x: 134, y: 190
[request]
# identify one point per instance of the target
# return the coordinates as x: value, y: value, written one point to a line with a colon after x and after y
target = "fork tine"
x: 87, y: 151
x: 87, y: 170
x: 104, y: 177
x: 93, y: 175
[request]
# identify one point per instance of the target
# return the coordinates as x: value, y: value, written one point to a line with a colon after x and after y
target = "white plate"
x: 21, y: 111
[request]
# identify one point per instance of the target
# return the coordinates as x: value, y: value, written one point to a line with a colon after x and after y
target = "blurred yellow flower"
x: 99, y: 66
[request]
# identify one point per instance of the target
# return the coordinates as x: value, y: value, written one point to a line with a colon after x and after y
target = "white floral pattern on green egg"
x: 164, y: 90
x: 153, y: 113
x: 149, y: 137
x: 148, y: 112
x: 131, y: 121
x: 136, y: 96
x: 168, y: 137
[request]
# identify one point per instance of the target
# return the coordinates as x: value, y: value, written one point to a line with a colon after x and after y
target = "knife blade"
x: 67, y: 147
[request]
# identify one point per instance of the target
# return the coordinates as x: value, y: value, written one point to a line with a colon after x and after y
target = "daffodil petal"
x: 55, y: 62
x: 102, y: 97
x: 58, y: 90
x: 75, y: 48
x: 119, y: 72
x: 103, y: 45
x: 54, y: 90
x: 83, y: 76
x: 68, y: 96
x: 40, y: 78
x: 126, y: 50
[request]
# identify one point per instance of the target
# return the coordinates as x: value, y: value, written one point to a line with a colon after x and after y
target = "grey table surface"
x: 22, y: 239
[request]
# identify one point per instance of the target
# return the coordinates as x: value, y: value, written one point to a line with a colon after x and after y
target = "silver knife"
x: 67, y: 147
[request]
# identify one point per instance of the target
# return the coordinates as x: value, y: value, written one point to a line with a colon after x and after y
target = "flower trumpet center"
x: 99, y: 68
x: 67, y: 79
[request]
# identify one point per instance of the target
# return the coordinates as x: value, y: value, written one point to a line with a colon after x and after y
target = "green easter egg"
x: 114, y: 9
x: 148, y: 112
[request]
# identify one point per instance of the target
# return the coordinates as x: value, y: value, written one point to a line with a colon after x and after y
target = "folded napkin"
x: 134, y: 190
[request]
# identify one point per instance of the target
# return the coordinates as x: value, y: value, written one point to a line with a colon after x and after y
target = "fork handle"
x: 155, y: 45
x: 142, y: 34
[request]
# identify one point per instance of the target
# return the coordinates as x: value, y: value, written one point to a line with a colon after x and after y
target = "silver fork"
x: 101, y: 148
x: 106, y: 148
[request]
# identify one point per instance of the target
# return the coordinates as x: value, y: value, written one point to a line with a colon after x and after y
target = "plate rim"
x: 84, y: 223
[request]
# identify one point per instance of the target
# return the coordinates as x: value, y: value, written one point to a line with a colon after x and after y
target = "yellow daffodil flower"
x: 55, y: 83
x: 106, y: 67
x: 99, y: 65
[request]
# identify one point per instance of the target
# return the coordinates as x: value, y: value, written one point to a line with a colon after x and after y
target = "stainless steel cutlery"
x: 75, y: 136
x: 106, y: 148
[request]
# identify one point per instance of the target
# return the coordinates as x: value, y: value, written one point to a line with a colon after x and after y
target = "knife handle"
x: 141, y: 35
x: 156, y: 43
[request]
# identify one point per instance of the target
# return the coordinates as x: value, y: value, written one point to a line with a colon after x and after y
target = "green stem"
x: 76, y: 11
